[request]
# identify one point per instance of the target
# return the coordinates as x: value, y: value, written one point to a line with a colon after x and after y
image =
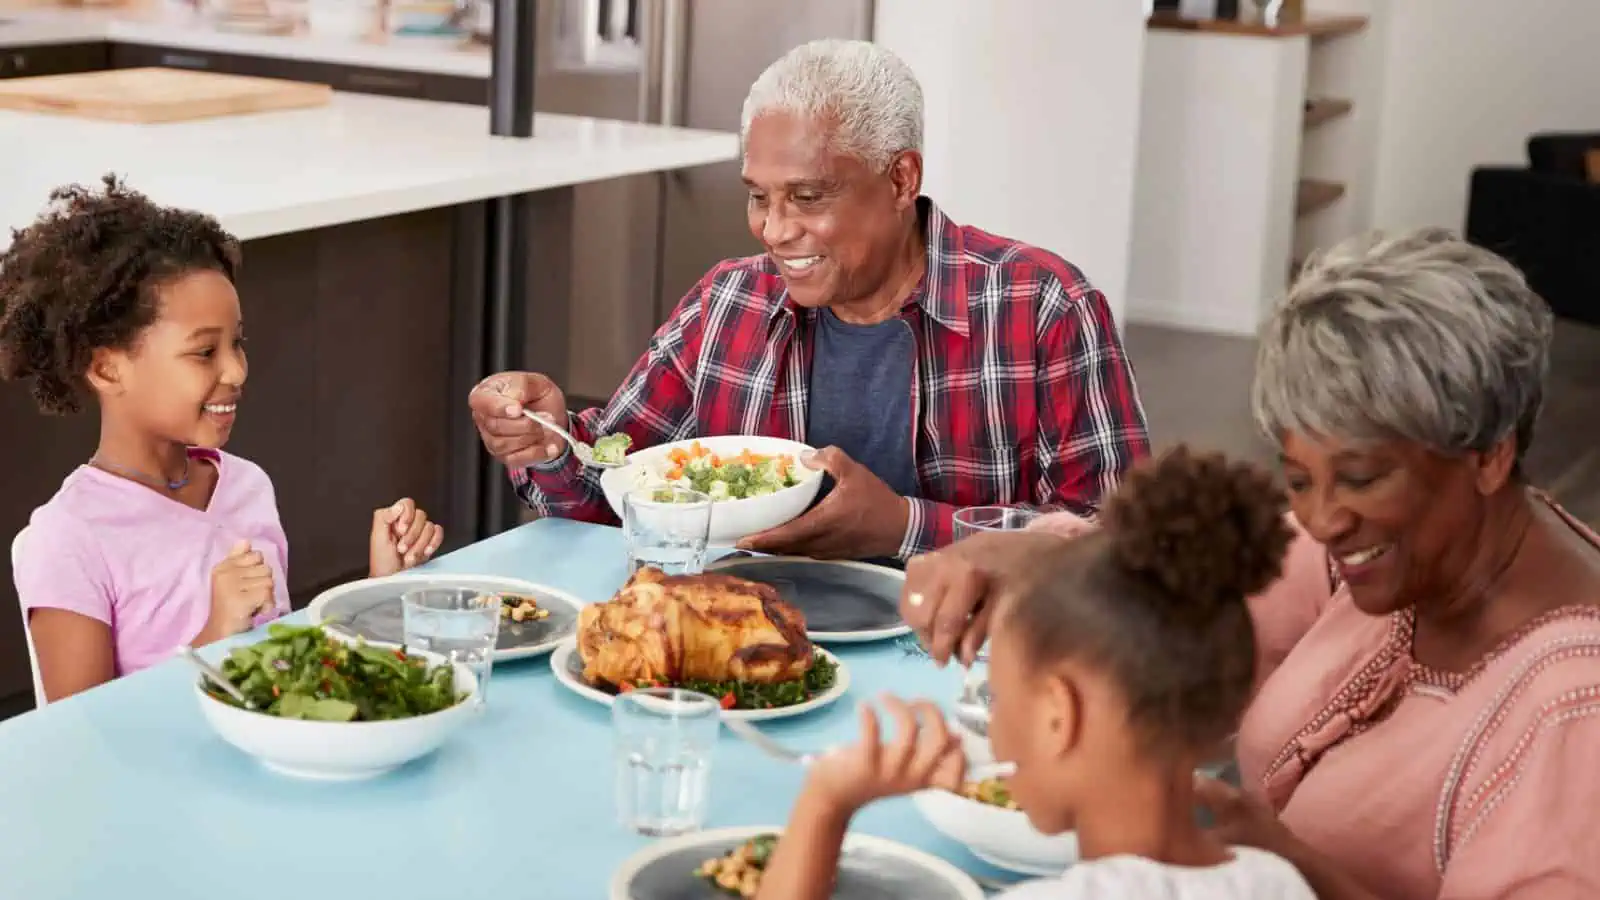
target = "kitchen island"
x: 363, y: 224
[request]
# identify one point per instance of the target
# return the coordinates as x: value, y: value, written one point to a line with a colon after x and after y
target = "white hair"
x: 868, y: 94
x: 1419, y: 336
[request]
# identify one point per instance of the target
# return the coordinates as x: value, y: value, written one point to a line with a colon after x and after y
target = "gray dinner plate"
x: 843, y: 602
x: 371, y: 608
x: 871, y: 868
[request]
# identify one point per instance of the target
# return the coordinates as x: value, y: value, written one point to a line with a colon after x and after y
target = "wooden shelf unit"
x: 1325, y: 109
x: 1314, y: 27
x: 1313, y: 195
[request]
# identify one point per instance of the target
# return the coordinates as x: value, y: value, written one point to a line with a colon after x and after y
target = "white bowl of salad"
x: 755, y: 483
x: 985, y: 818
x: 336, y: 710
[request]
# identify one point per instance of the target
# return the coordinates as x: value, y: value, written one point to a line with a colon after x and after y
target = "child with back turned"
x: 1119, y: 662
x: 160, y: 539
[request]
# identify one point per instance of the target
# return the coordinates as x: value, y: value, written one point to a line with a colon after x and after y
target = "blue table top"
x: 126, y: 792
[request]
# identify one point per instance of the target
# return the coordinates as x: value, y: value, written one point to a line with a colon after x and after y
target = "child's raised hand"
x: 402, y: 537
x: 241, y: 589
x: 922, y: 754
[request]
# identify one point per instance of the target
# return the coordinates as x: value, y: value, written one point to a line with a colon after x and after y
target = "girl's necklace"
x: 140, y: 476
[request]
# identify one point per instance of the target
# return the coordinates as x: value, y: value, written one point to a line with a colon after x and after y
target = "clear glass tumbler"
x: 664, y: 739
x: 459, y: 624
x: 975, y: 519
x: 666, y: 527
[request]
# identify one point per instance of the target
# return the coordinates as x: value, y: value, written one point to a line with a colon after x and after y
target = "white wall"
x: 1214, y: 198
x: 1465, y: 83
x: 1032, y: 119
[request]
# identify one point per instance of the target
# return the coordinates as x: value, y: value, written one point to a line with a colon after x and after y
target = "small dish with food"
x: 987, y: 820
x: 332, y: 709
x: 535, y: 618
x: 729, y: 638
x: 755, y: 483
x: 726, y: 863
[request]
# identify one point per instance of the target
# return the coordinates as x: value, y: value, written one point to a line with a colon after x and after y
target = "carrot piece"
x: 678, y: 456
x: 674, y: 474
x: 715, y: 460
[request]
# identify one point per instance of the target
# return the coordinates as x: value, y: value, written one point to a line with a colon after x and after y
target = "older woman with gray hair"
x: 1429, y: 664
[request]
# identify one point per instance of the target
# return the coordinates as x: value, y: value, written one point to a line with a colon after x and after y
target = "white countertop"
x: 361, y: 157
x: 33, y: 24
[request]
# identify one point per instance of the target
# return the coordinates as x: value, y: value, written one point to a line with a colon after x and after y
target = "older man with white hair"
x: 936, y: 365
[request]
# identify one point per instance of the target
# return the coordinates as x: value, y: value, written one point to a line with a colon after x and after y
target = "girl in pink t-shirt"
x: 161, y: 539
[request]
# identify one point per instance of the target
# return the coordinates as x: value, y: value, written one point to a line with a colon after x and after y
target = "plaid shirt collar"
x: 941, y: 294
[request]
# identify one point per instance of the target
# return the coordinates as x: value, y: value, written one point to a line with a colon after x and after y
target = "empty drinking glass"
x: 459, y: 624
x: 667, y: 527
x: 973, y: 519
x: 663, y: 739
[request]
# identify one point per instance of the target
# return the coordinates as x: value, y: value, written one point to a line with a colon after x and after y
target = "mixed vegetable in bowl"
x: 300, y: 672
x: 990, y: 791
x: 739, y: 871
x: 738, y: 477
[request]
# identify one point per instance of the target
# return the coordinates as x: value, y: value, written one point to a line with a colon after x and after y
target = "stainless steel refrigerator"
x: 642, y: 242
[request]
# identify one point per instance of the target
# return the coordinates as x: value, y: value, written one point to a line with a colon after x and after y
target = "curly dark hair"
x: 83, y: 276
x: 1157, y: 597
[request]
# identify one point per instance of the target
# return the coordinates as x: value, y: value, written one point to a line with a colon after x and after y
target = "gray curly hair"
x: 1418, y: 336
x: 871, y: 96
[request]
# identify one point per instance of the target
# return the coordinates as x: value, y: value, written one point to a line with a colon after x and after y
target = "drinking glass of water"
x: 975, y: 519
x: 459, y: 624
x: 666, y: 527
x: 663, y: 738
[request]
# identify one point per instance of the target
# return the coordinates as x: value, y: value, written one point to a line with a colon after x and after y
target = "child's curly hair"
x: 82, y: 277
x: 1157, y: 597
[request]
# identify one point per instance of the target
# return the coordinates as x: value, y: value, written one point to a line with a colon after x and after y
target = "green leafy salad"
x: 299, y: 672
x: 613, y: 448
x: 755, y: 695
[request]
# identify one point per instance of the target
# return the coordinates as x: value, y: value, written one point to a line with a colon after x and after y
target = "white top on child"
x: 1251, y: 875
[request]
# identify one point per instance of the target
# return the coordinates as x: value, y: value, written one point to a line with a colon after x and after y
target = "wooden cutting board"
x: 157, y: 95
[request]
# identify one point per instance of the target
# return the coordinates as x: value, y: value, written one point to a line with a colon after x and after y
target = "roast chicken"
x: 675, y: 628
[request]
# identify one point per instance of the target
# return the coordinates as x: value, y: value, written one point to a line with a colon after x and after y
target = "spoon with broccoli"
x: 609, y: 452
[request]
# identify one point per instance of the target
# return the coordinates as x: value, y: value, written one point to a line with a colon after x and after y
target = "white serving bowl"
x: 1000, y: 837
x: 339, y: 751
x: 731, y: 520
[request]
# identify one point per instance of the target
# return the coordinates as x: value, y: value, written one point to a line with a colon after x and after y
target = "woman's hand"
x: 402, y: 537
x: 946, y: 595
x: 923, y: 754
x: 1240, y: 819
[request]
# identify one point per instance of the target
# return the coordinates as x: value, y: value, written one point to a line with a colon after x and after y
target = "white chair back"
x: 27, y: 635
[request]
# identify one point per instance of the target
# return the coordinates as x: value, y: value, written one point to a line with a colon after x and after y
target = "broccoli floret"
x: 613, y: 448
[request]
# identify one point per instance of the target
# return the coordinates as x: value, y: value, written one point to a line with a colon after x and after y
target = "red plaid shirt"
x: 1021, y: 392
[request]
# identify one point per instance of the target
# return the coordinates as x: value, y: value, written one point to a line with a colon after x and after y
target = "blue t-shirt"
x: 860, y: 397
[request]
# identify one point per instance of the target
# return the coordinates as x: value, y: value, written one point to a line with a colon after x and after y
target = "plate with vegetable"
x: 324, y: 707
x: 843, y: 602
x: 755, y: 483
x: 730, y: 862
x: 985, y: 818
x: 533, y: 618
x: 823, y: 683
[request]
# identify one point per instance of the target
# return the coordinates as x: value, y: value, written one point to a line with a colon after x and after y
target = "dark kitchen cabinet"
x: 356, y: 79
x: 53, y: 59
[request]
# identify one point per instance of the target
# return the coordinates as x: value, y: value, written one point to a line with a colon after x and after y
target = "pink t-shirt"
x: 114, y: 550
